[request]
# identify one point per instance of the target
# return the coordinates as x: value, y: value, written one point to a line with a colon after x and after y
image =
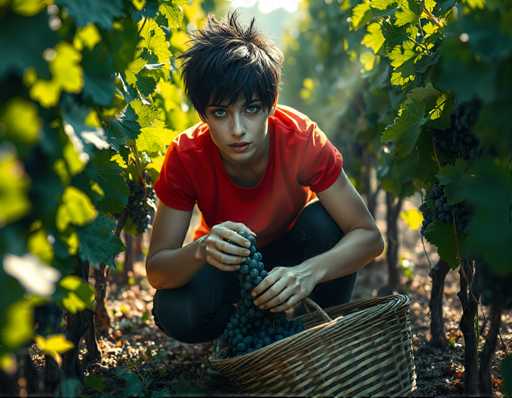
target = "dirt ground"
x: 143, y: 360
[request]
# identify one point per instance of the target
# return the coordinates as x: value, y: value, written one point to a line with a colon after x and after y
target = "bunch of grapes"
x: 141, y: 205
x: 436, y: 208
x: 493, y: 288
x: 457, y: 141
x: 250, y: 328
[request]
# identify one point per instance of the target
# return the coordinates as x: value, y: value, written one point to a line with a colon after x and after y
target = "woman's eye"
x: 253, y: 109
x: 219, y: 113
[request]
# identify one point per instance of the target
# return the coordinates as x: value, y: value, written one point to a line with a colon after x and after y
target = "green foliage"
x: 419, y: 64
x: 90, y: 98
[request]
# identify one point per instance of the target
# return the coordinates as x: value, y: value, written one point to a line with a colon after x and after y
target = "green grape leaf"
x: 154, y: 41
x: 98, y: 12
x: 493, y: 127
x: 154, y: 140
x: 149, y: 10
x: 122, y: 43
x: 443, y: 237
x: 404, y: 178
x: 173, y: 14
x: 99, y: 75
x: 487, y: 39
x: 393, y: 35
x: 75, y: 294
x: 407, y: 14
x: 374, y: 38
x: 14, y: 184
x: 98, y: 243
x: 91, y: 138
x: 23, y: 41
x: 108, y: 174
x: 17, y: 324
x: 488, y: 188
x: 147, y: 116
x: 20, y: 122
x: 123, y: 128
x: 459, y: 72
x: 406, y: 128
x: 76, y: 208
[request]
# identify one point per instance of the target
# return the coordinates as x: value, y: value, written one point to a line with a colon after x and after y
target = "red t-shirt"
x: 302, y: 161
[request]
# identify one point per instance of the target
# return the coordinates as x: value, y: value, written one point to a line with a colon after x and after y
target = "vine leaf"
x: 413, y: 114
x: 442, y: 236
x: 98, y: 244
x: 93, y: 11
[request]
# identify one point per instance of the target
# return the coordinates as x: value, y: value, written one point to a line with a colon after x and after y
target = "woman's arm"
x: 284, y: 287
x: 169, y: 265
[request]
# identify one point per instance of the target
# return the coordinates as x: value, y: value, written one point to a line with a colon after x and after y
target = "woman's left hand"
x: 283, y: 288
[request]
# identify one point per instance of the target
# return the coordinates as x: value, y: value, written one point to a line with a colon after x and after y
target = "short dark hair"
x: 226, y: 61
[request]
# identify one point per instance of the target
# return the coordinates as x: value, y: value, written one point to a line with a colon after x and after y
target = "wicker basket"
x: 366, y: 350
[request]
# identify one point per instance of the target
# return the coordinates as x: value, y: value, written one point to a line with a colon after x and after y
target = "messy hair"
x: 226, y: 60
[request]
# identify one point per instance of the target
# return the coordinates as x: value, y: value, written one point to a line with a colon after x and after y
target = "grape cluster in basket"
x: 250, y: 328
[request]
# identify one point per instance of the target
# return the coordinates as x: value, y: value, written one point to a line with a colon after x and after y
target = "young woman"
x: 251, y: 166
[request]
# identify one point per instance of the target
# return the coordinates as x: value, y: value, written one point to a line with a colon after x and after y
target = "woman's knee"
x: 187, y: 319
x: 318, y: 228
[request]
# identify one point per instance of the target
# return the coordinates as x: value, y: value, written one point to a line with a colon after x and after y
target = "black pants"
x: 199, y: 311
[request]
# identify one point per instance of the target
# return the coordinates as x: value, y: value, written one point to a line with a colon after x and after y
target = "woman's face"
x: 239, y: 130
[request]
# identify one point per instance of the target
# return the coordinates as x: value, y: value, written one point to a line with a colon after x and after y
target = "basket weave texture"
x: 364, y: 350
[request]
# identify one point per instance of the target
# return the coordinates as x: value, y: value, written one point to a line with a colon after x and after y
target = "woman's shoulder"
x: 292, y: 127
x: 195, y: 139
x: 289, y: 118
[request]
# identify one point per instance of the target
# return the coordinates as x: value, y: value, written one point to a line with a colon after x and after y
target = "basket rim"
x: 350, y: 312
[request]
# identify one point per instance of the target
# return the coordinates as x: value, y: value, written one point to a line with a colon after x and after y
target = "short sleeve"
x: 173, y: 186
x: 321, y: 161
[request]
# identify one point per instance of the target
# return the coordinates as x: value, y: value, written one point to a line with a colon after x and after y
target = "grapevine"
x: 458, y: 141
x: 436, y: 208
x: 141, y: 205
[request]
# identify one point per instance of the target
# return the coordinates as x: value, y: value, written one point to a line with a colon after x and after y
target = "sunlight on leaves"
x: 54, y: 345
x: 358, y: 14
x: 367, y: 59
x: 39, y: 245
x: 20, y: 121
x: 87, y: 36
x: 66, y: 69
x: 29, y: 7
x: 13, y: 189
x: 437, y: 111
x: 17, y: 329
x: 35, y: 276
x: 401, y: 54
x: 79, y: 294
x: 374, y: 39
x: 46, y: 92
x: 76, y: 208
x: 413, y: 218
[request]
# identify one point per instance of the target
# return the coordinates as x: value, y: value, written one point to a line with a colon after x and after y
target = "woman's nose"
x: 238, y: 128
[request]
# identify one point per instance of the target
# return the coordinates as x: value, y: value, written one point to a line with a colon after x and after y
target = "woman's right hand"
x: 224, y: 248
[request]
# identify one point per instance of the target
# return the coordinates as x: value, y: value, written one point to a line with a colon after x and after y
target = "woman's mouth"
x: 240, y: 147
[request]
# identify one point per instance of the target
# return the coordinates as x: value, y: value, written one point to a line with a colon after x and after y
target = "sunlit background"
x: 266, y: 6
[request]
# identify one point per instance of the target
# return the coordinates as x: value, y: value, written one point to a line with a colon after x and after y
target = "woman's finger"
x: 223, y: 258
x: 230, y: 248
x: 223, y: 267
x: 280, y: 299
x: 289, y: 305
x: 271, y: 292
